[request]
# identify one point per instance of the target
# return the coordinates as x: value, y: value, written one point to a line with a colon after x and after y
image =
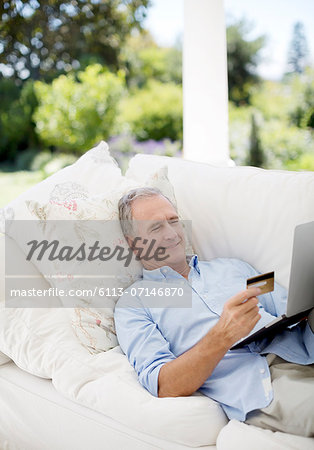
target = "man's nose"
x: 169, y: 232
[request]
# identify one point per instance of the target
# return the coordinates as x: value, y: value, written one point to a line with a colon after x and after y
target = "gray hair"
x: 125, y: 206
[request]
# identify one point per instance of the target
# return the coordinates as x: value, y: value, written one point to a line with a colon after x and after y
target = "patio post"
x: 205, y: 83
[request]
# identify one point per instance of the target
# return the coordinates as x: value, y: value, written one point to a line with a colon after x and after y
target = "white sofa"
x: 54, y: 394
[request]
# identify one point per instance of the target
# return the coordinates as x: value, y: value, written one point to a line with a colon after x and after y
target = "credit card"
x: 265, y: 282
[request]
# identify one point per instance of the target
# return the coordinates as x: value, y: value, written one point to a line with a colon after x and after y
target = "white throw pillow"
x: 94, y: 172
x: 93, y: 217
x: 92, y: 318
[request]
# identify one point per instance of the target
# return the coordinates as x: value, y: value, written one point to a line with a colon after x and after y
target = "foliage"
x: 154, y: 112
x: 16, y: 125
x: 239, y: 132
x: 308, y: 118
x: 243, y: 58
x: 298, y: 50
x: 291, y: 100
x: 281, y: 141
x: 125, y: 146
x: 74, y: 115
x: 256, y: 155
x: 304, y: 162
x: 273, y: 99
x: 23, y: 160
x: 56, y: 162
x: 302, y: 87
x: 42, y: 38
x: 143, y: 60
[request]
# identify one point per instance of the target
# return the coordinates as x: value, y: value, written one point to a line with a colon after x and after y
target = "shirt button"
x: 262, y: 370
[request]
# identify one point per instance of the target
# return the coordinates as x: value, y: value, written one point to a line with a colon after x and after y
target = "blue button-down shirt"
x: 151, y: 336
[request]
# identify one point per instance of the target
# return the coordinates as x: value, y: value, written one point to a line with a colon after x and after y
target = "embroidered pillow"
x: 91, y: 312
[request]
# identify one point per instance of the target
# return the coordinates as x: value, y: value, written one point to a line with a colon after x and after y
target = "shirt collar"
x: 162, y: 272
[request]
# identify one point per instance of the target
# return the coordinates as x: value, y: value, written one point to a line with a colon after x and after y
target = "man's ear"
x: 130, y: 242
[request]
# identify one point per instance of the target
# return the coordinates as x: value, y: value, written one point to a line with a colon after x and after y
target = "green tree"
x: 256, y: 155
x: 302, y: 86
x: 73, y: 115
x: 144, y: 60
x: 153, y: 112
x: 17, y: 129
x: 43, y: 38
x: 243, y: 58
x: 298, y: 50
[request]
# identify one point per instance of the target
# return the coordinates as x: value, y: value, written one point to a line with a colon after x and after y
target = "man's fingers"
x: 250, y: 304
x: 252, y: 312
x: 243, y: 295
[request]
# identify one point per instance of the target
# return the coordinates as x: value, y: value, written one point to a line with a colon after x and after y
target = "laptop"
x: 301, y: 286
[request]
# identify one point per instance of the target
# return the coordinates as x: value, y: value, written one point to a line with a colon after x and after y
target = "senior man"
x: 178, y: 350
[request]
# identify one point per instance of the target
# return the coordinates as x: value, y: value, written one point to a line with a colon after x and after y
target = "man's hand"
x: 240, y: 315
x: 185, y: 374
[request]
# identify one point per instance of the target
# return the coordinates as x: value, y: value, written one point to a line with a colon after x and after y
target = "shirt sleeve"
x: 141, y: 341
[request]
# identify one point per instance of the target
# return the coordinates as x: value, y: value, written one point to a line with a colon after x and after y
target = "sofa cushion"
x: 4, y: 358
x: 41, y: 341
x: 238, y: 435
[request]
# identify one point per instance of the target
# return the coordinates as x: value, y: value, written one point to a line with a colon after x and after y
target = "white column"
x: 205, y: 83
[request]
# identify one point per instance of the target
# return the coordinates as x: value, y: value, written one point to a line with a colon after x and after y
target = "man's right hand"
x: 186, y: 373
x: 239, y: 317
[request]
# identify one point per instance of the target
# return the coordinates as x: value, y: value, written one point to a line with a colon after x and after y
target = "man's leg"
x: 292, y: 408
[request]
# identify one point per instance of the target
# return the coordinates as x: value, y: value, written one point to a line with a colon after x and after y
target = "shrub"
x: 74, y: 115
x: 305, y: 162
x: 283, y: 143
x: 154, y: 112
x: 124, y: 147
x: 16, y: 125
x: 49, y: 163
x: 256, y: 155
x: 24, y: 159
x: 161, y: 64
x: 303, y: 90
x: 57, y: 162
x: 239, y: 132
x: 274, y: 99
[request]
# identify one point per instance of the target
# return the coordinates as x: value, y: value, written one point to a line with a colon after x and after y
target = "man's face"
x: 156, y: 220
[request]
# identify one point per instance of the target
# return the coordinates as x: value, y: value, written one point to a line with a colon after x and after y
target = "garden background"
x: 75, y: 72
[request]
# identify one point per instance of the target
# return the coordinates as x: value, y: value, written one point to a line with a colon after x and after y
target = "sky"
x: 273, y: 18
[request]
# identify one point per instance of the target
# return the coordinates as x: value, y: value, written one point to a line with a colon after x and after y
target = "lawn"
x: 13, y: 184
